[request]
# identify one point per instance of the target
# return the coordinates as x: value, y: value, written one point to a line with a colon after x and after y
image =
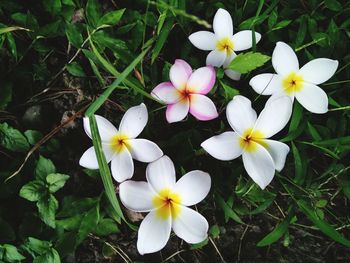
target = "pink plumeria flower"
x: 223, y: 43
x: 185, y: 92
x: 166, y: 201
x: 294, y: 82
x: 250, y: 138
x: 120, y: 146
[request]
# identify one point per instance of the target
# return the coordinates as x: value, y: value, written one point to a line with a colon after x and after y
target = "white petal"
x: 166, y: 93
x: 161, y: 174
x: 203, y: 40
x: 136, y: 196
x: 278, y: 152
x: 266, y: 83
x: 234, y: 75
x: 240, y: 114
x: 105, y: 128
x: 190, y: 226
x: 259, y: 165
x: 243, y: 40
x: 144, y: 150
x: 319, y: 70
x: 313, y: 98
x: 122, y: 166
x: 184, y: 187
x: 179, y: 73
x: 216, y: 58
x: 284, y: 59
x: 202, y: 107
x: 153, y: 234
x: 222, y: 23
x: 224, y: 147
x: 177, y: 111
x: 229, y: 59
x: 134, y: 121
x: 202, y: 80
x: 89, y: 159
x: 274, y: 116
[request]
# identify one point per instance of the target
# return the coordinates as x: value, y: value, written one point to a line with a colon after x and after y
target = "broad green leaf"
x: 333, y: 5
x: 88, y: 223
x: 12, y: 45
x: 72, y: 206
x: 163, y: 36
x: 229, y: 92
x: 33, y: 190
x: 51, y: 256
x: 278, y: 231
x: 93, y: 13
x: 111, y: 18
x: 75, y: 69
x: 11, y: 254
x: 325, y: 227
x: 12, y: 139
x: 43, y: 168
x: 214, y: 231
x: 199, y: 245
x: 52, y: 6
x: 56, y: 181
x: 105, y: 227
x: 246, y: 62
x: 37, y: 246
x: 33, y: 136
x: 73, y: 35
x: 48, y: 206
x: 70, y: 223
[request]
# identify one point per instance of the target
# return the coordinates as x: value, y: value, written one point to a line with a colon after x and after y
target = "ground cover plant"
x: 174, y: 131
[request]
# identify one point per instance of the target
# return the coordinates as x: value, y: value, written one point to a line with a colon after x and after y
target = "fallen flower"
x: 223, y: 43
x: 121, y: 146
x: 294, y: 82
x: 261, y: 156
x: 186, y: 92
x: 166, y: 201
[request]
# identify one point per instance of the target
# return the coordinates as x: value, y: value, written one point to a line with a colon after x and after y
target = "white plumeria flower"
x: 294, y: 82
x: 185, y: 92
x: 261, y: 156
x: 121, y: 146
x: 223, y: 43
x: 167, y: 202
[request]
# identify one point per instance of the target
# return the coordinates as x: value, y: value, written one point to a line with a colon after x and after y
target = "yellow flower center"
x: 249, y: 140
x: 292, y: 83
x: 167, y: 204
x: 120, y: 142
x: 225, y: 44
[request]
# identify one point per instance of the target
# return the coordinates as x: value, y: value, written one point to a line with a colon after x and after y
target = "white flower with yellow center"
x: 223, y: 43
x: 294, y: 82
x: 166, y: 201
x: 121, y: 146
x: 250, y: 138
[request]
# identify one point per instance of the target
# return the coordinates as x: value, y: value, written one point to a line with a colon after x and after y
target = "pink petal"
x: 177, y: 111
x: 202, y: 107
x: 202, y: 80
x: 166, y: 93
x: 180, y: 71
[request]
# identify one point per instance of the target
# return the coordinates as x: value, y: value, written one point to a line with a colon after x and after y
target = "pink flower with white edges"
x: 185, y: 92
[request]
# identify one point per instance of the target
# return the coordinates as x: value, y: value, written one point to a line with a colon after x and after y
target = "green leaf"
x: 12, y: 139
x: 278, y: 231
x: 52, y: 6
x: 43, y: 168
x: 164, y: 33
x: 93, y: 13
x: 111, y: 18
x: 199, y: 245
x: 73, y: 35
x: 33, y: 190
x: 51, y: 256
x: 48, y: 206
x: 56, y: 181
x: 37, y: 246
x: 246, y: 62
x: 75, y: 69
x: 12, y: 45
x: 228, y: 210
x: 281, y: 25
x: 33, y: 136
x: 11, y: 28
x: 229, y: 92
x: 88, y: 223
x: 298, y: 166
x: 11, y: 254
x: 326, y: 228
x: 105, y: 227
x: 333, y: 5
x: 214, y: 231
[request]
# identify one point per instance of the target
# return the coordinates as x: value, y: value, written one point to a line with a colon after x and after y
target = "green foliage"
x: 12, y: 139
x: 246, y: 62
